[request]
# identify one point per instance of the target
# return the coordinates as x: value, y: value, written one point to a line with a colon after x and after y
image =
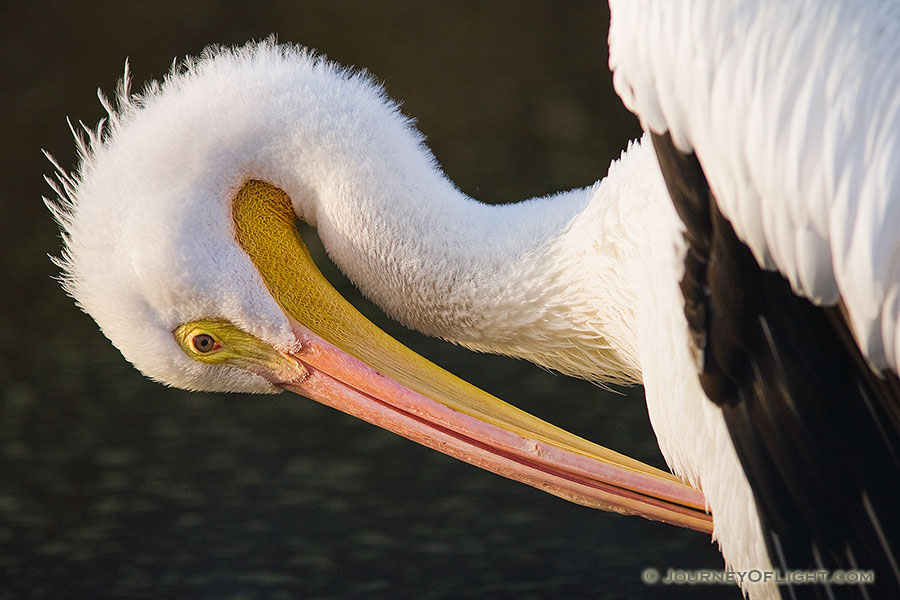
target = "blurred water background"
x: 112, y: 486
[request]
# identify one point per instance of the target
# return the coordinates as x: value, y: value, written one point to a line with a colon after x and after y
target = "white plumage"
x: 428, y: 255
x: 794, y: 111
x: 585, y: 282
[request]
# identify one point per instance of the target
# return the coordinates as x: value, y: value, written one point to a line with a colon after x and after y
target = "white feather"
x: 793, y: 109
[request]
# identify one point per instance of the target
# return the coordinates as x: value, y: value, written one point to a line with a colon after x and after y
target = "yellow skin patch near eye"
x: 235, y: 347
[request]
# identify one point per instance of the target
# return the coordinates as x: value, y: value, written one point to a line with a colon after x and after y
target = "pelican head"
x: 149, y: 222
x: 180, y: 240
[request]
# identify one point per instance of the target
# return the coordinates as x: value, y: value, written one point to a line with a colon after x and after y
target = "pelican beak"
x: 345, y: 361
x: 472, y: 425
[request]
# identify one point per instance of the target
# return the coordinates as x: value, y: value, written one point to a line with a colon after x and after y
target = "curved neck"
x: 527, y: 279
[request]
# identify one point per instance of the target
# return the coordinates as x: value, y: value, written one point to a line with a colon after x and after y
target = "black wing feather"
x: 816, y: 430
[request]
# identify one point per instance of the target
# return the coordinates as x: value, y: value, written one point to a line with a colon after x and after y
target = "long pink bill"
x: 478, y: 433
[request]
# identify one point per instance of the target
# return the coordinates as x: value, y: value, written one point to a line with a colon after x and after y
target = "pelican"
x: 740, y: 261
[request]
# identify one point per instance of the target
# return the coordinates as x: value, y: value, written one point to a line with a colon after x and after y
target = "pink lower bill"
x: 346, y: 383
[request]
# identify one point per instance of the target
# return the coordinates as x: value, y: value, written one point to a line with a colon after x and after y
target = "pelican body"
x: 774, y: 125
x: 180, y: 241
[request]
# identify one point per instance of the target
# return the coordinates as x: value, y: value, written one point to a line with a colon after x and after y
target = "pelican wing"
x: 793, y: 110
x: 774, y: 124
x: 813, y: 425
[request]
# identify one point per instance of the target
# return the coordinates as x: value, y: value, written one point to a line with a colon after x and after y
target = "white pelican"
x: 180, y: 242
x: 205, y: 284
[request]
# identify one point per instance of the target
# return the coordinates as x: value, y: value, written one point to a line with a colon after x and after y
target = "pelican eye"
x: 204, y: 343
x: 210, y: 341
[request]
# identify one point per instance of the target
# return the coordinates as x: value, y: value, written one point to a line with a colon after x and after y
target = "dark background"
x: 112, y: 486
